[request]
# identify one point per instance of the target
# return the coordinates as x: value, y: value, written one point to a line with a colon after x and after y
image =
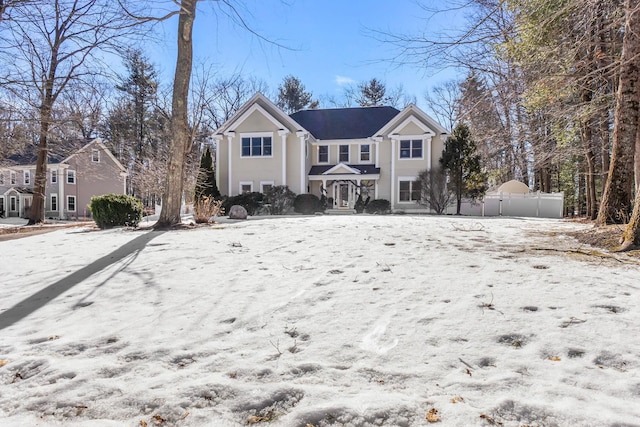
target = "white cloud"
x: 342, y: 80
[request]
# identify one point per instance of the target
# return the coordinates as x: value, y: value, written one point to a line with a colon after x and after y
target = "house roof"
x: 30, y: 157
x: 363, y: 169
x: 344, y: 123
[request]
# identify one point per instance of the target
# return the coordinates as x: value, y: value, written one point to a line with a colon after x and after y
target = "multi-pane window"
x: 27, y: 177
x: 409, y: 191
x: 411, y: 149
x: 256, y: 146
x: 71, y: 177
x: 1, y: 179
x: 265, y: 187
x: 71, y: 203
x: 54, y: 202
x: 12, y: 178
x: 95, y: 156
x: 343, y: 154
x: 365, y: 153
x: 323, y: 154
x: 54, y: 176
x: 246, y: 187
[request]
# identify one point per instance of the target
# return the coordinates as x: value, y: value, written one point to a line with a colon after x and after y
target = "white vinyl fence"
x: 543, y: 205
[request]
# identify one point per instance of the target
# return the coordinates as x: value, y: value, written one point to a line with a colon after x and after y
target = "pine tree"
x: 206, y: 185
x: 293, y: 97
x: 462, y: 163
x: 372, y: 93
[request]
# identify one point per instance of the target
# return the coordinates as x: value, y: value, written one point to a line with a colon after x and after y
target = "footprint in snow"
x: 375, y: 340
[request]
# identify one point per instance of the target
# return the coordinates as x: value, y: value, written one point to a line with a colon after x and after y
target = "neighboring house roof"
x: 344, y: 123
x: 103, y: 148
x: 30, y: 157
x: 362, y: 169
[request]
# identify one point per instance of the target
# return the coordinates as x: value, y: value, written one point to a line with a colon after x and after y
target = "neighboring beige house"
x: 378, y: 151
x: 71, y: 182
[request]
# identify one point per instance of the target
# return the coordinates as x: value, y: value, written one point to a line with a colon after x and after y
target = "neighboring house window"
x: 71, y: 177
x: 323, y: 154
x: 246, y: 187
x: 12, y: 178
x: 365, y: 153
x: 411, y: 149
x: 265, y: 186
x: 71, y: 203
x: 256, y: 146
x: 27, y: 177
x: 1, y: 178
x: 409, y: 191
x: 95, y: 156
x: 54, y: 202
x: 344, y: 154
x: 54, y: 177
x: 13, y: 204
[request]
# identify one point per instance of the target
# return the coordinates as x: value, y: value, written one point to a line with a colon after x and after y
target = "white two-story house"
x: 374, y: 151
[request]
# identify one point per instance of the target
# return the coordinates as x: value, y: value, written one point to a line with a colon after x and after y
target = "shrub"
x: 360, y: 204
x: 205, y: 207
x: 280, y: 198
x: 250, y: 201
x: 113, y: 210
x: 307, y: 204
x: 378, y: 206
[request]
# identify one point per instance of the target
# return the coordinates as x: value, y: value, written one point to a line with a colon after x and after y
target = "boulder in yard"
x: 237, y: 212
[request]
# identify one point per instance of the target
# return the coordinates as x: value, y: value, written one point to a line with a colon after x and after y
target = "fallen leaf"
x: 157, y: 419
x: 554, y: 358
x: 3, y: 362
x: 457, y: 399
x: 491, y: 420
x: 433, y: 416
x: 468, y: 372
x: 143, y: 423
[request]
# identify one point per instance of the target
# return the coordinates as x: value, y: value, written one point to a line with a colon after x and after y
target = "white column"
x: 324, y: 186
x: 393, y: 172
x: 283, y: 135
x: 428, y: 147
x: 61, y: 201
x: 230, y: 136
x: 377, y: 144
x: 375, y: 191
x: 217, y: 139
x: 303, y: 173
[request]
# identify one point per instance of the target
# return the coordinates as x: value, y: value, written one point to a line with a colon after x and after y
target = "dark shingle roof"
x: 364, y: 169
x: 344, y: 123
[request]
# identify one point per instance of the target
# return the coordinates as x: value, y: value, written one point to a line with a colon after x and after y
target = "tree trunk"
x: 590, y: 178
x: 616, y: 200
x: 631, y: 235
x: 181, y: 140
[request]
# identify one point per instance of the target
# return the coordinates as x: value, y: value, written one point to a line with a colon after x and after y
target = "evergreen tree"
x: 372, y: 93
x: 462, y: 164
x: 206, y: 185
x: 293, y: 97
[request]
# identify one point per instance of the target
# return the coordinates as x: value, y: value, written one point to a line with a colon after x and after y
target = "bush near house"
x: 204, y: 208
x: 378, y: 206
x: 250, y: 201
x: 307, y: 204
x: 361, y: 204
x: 114, y: 210
x: 280, y: 198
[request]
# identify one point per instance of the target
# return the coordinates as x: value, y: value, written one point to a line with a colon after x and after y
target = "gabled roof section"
x: 344, y: 123
x: 344, y: 169
x: 404, y: 115
x: 266, y: 107
x: 97, y: 142
x: 29, y: 157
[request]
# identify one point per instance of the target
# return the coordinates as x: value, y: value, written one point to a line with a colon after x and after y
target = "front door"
x: 343, y: 196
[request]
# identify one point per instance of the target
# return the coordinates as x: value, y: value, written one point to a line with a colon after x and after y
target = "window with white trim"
x: 323, y: 154
x: 53, y: 204
x: 257, y: 146
x: 13, y: 204
x: 54, y: 176
x: 411, y: 149
x: 71, y: 177
x: 12, y: 178
x: 365, y: 153
x: 71, y: 203
x: 95, y: 155
x: 1, y: 178
x: 265, y: 186
x: 343, y: 154
x: 409, y: 191
x: 246, y: 187
x: 27, y: 177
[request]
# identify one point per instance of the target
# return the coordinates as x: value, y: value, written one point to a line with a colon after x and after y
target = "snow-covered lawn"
x: 354, y: 320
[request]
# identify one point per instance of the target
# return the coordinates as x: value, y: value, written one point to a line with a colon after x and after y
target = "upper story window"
x: 256, y: 146
x: 95, y: 156
x: 54, y: 176
x: 323, y: 154
x: 411, y: 149
x: 2, y: 178
x: 71, y: 177
x: 365, y: 153
x: 343, y: 155
x: 12, y: 178
x: 27, y: 177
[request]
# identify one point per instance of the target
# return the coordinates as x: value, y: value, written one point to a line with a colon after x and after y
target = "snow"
x: 323, y: 320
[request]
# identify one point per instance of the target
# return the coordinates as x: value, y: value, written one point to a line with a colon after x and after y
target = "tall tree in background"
x: 462, y: 164
x: 292, y: 96
x: 206, y: 185
x: 50, y: 46
x: 372, y: 93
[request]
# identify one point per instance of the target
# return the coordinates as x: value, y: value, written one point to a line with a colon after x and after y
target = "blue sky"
x: 331, y: 43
